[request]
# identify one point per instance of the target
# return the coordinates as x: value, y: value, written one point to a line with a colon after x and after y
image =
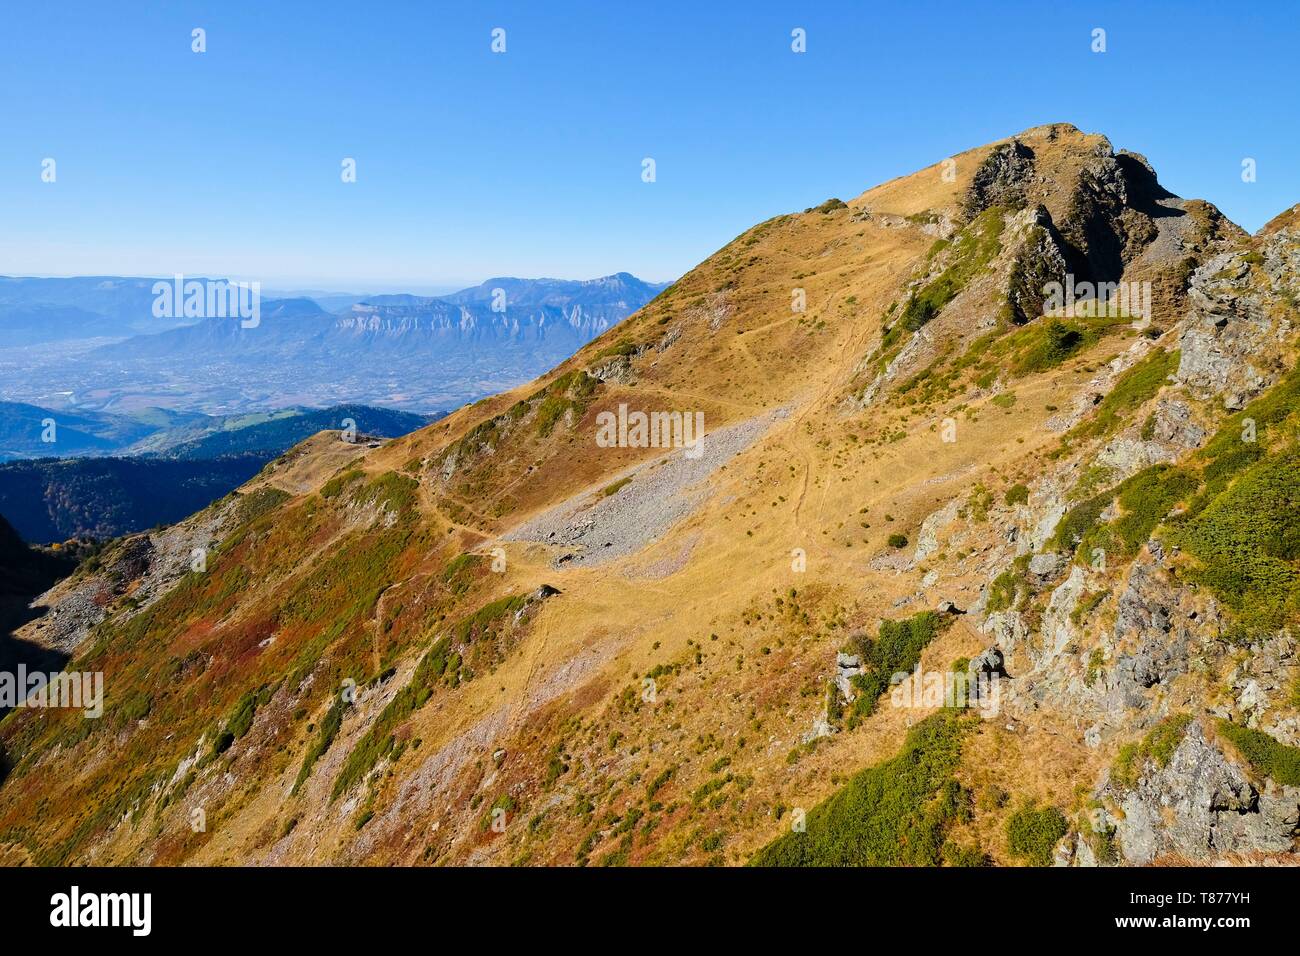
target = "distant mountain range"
x: 286, y: 429
x: 421, y: 353
x: 544, y: 315
x: 164, y: 417
x: 25, y: 431
x: 34, y: 311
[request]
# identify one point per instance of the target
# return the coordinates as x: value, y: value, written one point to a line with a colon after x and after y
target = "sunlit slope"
x: 497, y: 640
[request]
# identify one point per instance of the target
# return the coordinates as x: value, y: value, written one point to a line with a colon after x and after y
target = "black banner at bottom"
x: 328, y: 905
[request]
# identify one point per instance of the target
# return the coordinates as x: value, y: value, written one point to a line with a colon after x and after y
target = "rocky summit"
x: 987, y: 552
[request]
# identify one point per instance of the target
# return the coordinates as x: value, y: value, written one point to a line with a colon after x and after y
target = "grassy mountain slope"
x: 495, y: 641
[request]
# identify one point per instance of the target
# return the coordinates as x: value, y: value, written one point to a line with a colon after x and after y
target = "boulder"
x: 1047, y: 564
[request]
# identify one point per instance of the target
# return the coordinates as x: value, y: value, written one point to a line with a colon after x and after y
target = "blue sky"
x: 473, y: 164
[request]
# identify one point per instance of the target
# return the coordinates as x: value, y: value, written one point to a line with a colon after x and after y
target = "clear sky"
x: 472, y: 164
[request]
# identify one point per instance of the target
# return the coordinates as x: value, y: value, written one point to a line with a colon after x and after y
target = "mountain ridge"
x: 498, y: 641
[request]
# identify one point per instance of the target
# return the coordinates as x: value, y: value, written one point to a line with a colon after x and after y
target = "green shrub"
x: 571, y: 391
x: 1267, y: 756
x: 1032, y: 834
x: 619, y: 349
x: 333, y: 487
x: 325, y: 734
x: 1096, y: 659
x: 955, y: 854
x: 1078, y: 521
x: 834, y: 705
x: 897, y: 540
x: 1247, y: 540
x: 658, y: 783
x: 391, y: 490
x: 380, y: 739
x: 1047, y: 345
x: 896, y: 813
x: 1146, y: 498
x: 1005, y: 589
x: 1132, y: 389
x: 978, y: 504
x: 259, y: 503
x: 897, y: 648
x: 240, y: 720
x: 1144, y: 501
x: 616, y: 487
x: 829, y: 206
x: 1017, y: 495
x: 971, y: 250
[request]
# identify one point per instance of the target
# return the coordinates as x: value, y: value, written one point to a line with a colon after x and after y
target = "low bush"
x: 1267, y: 756
x: 325, y: 734
x: 1131, y: 390
x: 1247, y: 540
x: 896, y: 813
x: 896, y: 649
x: 1032, y: 834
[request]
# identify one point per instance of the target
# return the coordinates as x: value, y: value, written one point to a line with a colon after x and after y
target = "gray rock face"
x: 1173, y: 425
x: 615, y: 370
x: 1040, y: 261
x: 1153, y: 630
x: 847, y: 666
x: 1047, y: 564
x: 1144, y: 605
x: 1265, y: 675
x: 1201, y: 805
x: 1126, y: 455
x: 927, y: 538
x: 1053, y: 511
x: 990, y: 661
x: 1230, y: 344
x: 1057, y: 627
x: 1007, y: 629
x: 152, y: 563
x: 1001, y: 179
